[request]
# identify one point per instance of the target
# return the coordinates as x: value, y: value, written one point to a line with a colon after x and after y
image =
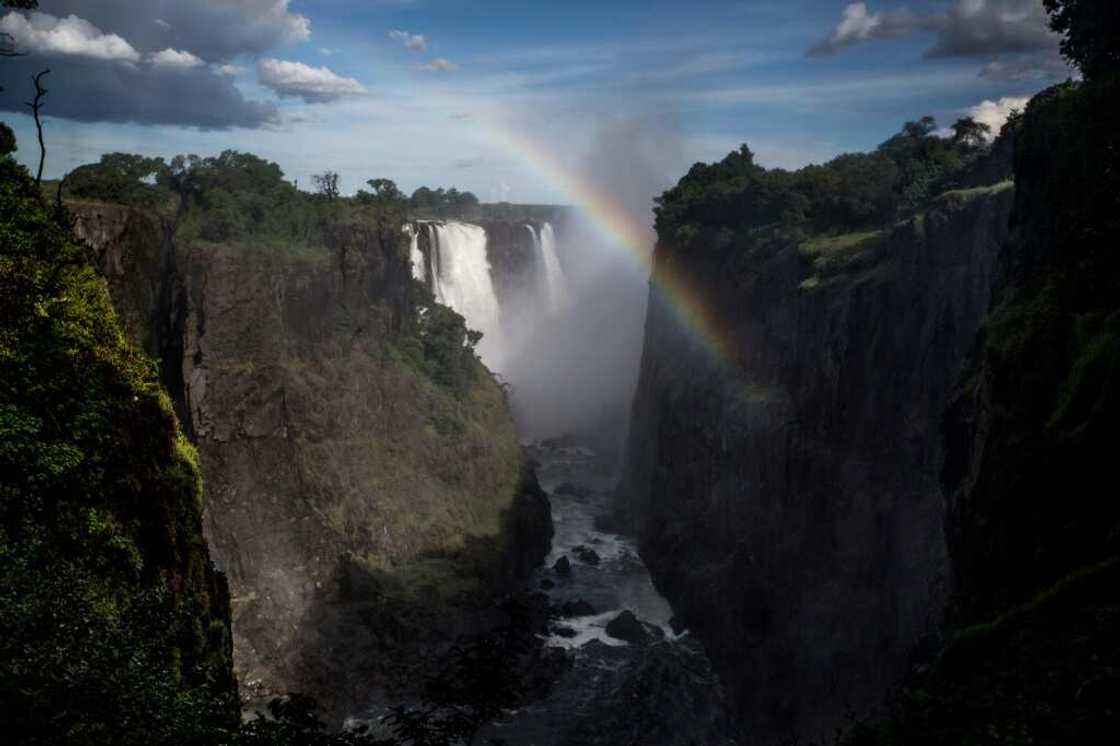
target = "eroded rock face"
x: 783, y: 473
x: 362, y: 512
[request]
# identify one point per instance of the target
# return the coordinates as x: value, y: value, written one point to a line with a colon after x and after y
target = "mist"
x: 573, y: 369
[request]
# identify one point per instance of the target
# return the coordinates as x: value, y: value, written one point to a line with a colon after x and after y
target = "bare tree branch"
x: 36, y: 106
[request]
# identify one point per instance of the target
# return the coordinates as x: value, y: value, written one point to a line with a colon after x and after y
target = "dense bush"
x: 115, y: 624
x: 853, y: 191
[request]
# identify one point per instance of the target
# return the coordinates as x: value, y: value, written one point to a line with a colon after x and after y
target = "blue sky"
x: 327, y: 84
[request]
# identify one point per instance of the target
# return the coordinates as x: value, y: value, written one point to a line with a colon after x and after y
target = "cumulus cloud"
x: 995, y: 113
x: 175, y: 59
x: 858, y: 25
x: 215, y: 30
x: 71, y: 36
x: 415, y: 42
x: 312, y: 84
x: 230, y: 71
x: 439, y: 65
x: 102, y: 73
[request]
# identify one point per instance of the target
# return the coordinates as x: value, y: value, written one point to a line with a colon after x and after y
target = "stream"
x: 660, y: 690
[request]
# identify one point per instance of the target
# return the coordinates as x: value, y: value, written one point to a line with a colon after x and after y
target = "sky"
x: 467, y: 93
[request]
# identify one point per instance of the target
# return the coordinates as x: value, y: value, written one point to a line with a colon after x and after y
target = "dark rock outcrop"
x: 626, y: 627
x: 562, y: 567
x: 362, y: 511
x: 783, y: 469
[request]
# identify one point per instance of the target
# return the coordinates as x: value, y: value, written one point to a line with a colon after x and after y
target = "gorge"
x: 821, y: 456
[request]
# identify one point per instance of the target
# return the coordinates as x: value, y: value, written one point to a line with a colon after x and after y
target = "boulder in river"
x: 562, y: 630
x: 563, y: 567
x: 547, y: 584
x: 586, y: 555
x: 626, y: 627
x: 677, y: 625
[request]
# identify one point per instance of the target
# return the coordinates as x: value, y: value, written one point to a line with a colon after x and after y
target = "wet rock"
x: 563, y: 567
x: 561, y: 630
x: 677, y: 625
x: 547, y: 584
x: 573, y: 490
x: 626, y: 627
x: 586, y: 555
x: 579, y: 607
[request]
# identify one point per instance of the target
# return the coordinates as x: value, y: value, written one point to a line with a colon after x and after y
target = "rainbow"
x: 619, y: 228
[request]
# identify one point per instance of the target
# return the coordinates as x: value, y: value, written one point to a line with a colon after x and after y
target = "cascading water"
x: 552, y: 274
x: 461, y: 274
x: 416, y: 257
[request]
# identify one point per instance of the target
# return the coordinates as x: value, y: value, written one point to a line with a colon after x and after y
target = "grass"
x: 843, y: 244
x: 956, y: 197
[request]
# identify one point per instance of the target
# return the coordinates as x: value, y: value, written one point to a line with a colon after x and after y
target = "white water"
x: 415, y: 256
x: 553, y: 281
x: 462, y: 281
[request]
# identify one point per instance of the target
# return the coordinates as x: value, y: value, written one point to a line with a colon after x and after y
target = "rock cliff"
x: 786, y: 492
x: 363, y: 511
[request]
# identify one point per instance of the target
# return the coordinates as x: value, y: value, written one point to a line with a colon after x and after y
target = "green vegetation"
x: 116, y: 626
x: 426, y: 202
x: 1091, y: 33
x: 853, y: 193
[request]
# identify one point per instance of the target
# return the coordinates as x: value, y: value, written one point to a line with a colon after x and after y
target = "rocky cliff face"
x: 362, y: 511
x: 786, y: 495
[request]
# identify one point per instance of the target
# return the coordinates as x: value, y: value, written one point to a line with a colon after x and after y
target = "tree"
x: 385, y: 190
x: 1091, y: 33
x: 326, y: 184
x: 118, y: 177
x: 970, y: 133
x: 36, y: 106
x: 921, y: 128
x: 7, y: 140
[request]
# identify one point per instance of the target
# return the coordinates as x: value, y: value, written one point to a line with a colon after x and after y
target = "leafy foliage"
x: 1091, y: 33
x: 442, y: 203
x: 115, y: 624
x: 118, y: 177
x: 853, y: 191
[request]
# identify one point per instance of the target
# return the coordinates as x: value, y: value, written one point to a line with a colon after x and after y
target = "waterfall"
x: 461, y: 273
x: 552, y: 274
x: 415, y: 256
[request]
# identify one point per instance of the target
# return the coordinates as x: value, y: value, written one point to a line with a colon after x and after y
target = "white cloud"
x: 292, y: 26
x: 217, y: 30
x: 230, y: 71
x: 312, y: 84
x: 70, y: 36
x: 173, y: 58
x: 415, y: 42
x: 858, y: 25
x: 995, y: 113
x: 326, y: 52
x: 439, y: 65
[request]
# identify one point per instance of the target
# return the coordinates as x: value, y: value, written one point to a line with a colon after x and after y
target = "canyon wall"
x: 363, y: 510
x: 783, y: 467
